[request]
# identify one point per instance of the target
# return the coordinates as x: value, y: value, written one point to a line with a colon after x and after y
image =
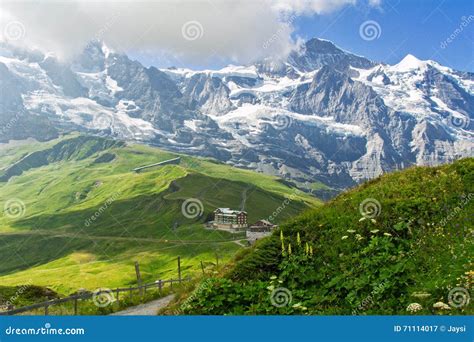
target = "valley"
x: 76, y: 215
x: 399, y: 244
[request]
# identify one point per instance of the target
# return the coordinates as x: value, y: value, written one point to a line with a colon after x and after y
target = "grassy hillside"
x: 76, y: 216
x: 404, y: 238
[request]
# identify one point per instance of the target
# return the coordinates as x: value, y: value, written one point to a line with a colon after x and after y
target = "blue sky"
x: 213, y: 33
x: 417, y: 27
x: 406, y: 26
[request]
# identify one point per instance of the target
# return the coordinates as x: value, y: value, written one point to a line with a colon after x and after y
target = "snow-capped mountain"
x: 323, y: 114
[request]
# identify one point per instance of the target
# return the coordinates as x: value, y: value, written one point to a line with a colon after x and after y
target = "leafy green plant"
x: 414, y: 251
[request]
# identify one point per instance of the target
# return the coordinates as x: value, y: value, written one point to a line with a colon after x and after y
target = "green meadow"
x: 399, y: 244
x: 75, y: 215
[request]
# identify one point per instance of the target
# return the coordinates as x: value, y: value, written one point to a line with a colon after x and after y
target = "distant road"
x: 111, y: 238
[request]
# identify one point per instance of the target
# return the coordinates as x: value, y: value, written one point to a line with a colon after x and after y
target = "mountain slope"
x: 76, y: 215
x: 321, y: 114
x: 402, y: 238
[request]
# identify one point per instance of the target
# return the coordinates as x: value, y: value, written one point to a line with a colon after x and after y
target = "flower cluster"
x: 414, y: 307
x: 287, y: 250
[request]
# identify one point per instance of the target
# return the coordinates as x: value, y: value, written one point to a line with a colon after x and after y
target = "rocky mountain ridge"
x: 322, y: 115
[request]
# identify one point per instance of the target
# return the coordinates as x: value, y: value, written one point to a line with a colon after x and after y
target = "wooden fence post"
x: 139, y: 277
x: 202, y: 268
x: 160, y: 285
x: 179, y: 269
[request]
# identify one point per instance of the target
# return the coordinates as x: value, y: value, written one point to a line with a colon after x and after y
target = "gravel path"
x: 147, y: 309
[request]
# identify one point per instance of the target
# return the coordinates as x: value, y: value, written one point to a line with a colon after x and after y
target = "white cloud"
x: 234, y: 30
x: 375, y: 3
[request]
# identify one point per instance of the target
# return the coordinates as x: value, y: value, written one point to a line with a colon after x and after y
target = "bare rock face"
x: 322, y: 114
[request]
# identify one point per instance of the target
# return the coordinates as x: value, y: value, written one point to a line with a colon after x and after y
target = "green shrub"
x: 414, y: 250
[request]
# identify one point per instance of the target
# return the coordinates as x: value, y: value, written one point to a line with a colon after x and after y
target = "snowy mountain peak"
x: 93, y: 57
x: 319, y: 45
x: 410, y: 62
x: 323, y: 114
x: 316, y: 53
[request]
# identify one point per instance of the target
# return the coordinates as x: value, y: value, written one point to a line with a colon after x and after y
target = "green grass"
x: 137, y: 216
x: 20, y: 296
x: 420, y: 241
x: 27, y: 294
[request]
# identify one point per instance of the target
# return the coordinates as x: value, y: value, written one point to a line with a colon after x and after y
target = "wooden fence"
x: 159, y: 284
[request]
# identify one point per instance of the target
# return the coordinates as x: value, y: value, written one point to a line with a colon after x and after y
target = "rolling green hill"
x: 403, y: 238
x: 75, y: 215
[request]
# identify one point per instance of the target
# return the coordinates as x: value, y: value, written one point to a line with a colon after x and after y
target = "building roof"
x: 268, y: 223
x: 164, y: 162
x: 228, y: 211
